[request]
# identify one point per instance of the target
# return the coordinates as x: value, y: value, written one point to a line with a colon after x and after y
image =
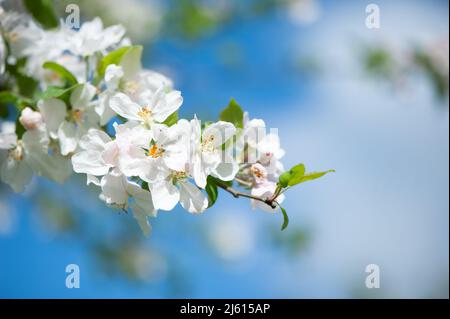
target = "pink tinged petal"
x: 110, y: 154
x: 265, y: 190
x: 164, y: 194
x: 122, y: 105
x: 191, y: 198
x: 30, y: 119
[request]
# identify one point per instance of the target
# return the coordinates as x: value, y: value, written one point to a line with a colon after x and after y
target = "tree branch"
x: 269, y: 201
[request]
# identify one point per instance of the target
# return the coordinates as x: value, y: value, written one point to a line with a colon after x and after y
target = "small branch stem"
x: 269, y: 201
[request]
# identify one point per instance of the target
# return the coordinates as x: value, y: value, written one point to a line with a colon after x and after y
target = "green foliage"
x: 191, y: 19
x: 172, y: 119
x: 42, y: 11
x: 26, y: 85
x: 438, y: 77
x: 65, y: 74
x: 58, y: 93
x: 10, y: 98
x: 285, y: 218
x: 19, y: 129
x: 296, y: 175
x: 113, y: 57
x: 292, y: 177
x: 212, y: 190
x: 128, y: 57
x: 233, y: 113
x: 5, y: 99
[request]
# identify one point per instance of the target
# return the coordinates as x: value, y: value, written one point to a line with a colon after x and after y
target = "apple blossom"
x: 91, y: 80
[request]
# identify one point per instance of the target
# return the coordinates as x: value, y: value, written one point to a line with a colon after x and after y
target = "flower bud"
x: 30, y: 119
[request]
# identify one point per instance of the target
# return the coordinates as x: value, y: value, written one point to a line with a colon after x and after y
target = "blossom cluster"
x: 97, y: 111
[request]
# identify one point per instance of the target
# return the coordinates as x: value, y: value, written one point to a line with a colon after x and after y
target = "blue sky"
x: 387, y: 204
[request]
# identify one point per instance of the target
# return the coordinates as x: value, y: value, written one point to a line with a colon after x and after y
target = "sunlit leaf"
x: 61, y: 71
x: 233, y: 113
x: 172, y: 119
x: 128, y: 57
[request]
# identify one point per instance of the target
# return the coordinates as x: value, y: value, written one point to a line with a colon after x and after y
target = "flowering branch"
x: 269, y: 201
x: 68, y: 86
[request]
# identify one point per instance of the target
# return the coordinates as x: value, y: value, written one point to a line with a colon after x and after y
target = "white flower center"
x: 208, y: 144
x: 146, y: 115
x: 131, y: 87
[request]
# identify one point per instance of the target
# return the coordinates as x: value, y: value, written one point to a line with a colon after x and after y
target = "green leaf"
x: 211, y: 190
x: 113, y: 57
x: 19, y: 129
x: 42, y: 11
x: 284, y: 178
x: 285, y: 218
x: 61, y: 71
x: 131, y: 61
x: 292, y: 176
x: 57, y: 93
x: 297, y: 172
x: 127, y: 57
x: 315, y: 175
x: 7, y: 97
x: 10, y: 98
x: 26, y: 84
x: 233, y: 113
x: 296, y: 175
x: 172, y: 119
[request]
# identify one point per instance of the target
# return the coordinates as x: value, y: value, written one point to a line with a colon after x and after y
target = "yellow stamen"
x: 155, y: 151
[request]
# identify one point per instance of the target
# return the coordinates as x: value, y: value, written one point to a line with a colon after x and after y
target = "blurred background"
x: 370, y: 103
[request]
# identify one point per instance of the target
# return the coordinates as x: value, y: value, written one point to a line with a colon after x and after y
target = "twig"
x: 269, y: 201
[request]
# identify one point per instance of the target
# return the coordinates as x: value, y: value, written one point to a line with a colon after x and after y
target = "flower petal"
x: 89, y: 162
x: 122, y: 105
x: 165, y: 195
x: 54, y: 113
x: 218, y: 133
x: 191, y: 198
x: 16, y: 173
x: 67, y: 135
